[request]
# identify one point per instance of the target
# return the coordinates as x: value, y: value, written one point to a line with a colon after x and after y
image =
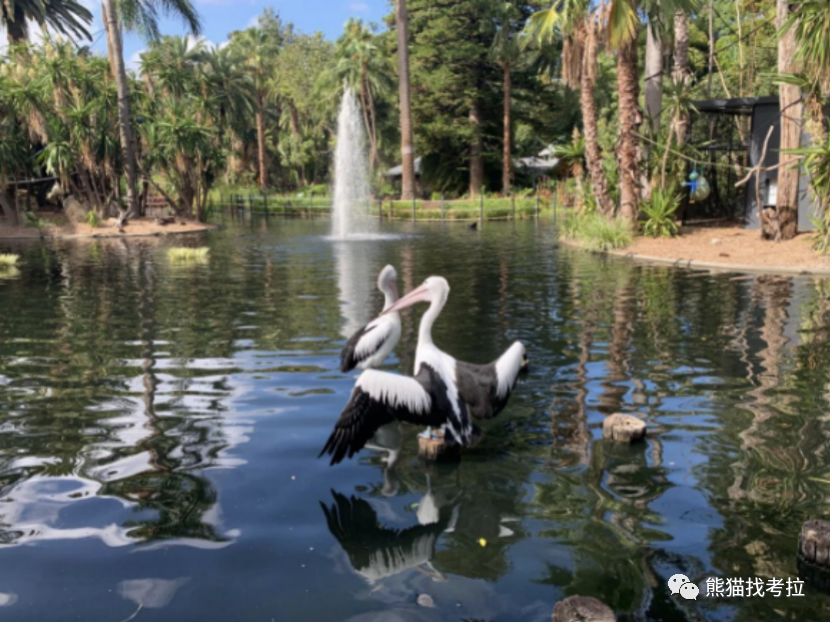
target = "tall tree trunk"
x: 405, y: 119
x: 681, y: 70
x: 475, y: 166
x: 373, y: 131
x: 791, y: 123
x: 260, y: 120
x: 369, y: 122
x: 589, y: 116
x: 628, y: 118
x: 125, y: 124
x: 653, y: 76
x: 506, y: 128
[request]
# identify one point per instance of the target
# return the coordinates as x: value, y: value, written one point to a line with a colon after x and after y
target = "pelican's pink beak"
x: 415, y: 296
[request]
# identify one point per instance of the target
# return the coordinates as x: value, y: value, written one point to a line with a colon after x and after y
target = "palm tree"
x: 228, y: 89
x: 505, y: 51
x: 141, y: 15
x: 172, y: 66
x: 579, y: 26
x: 259, y: 46
x: 681, y: 69
x: 361, y: 65
x: 622, y: 23
x: 68, y: 17
x: 405, y: 117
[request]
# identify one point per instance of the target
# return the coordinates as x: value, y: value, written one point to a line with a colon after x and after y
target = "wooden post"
x: 380, y: 208
x: 624, y: 428
x: 513, y: 209
x: 436, y: 448
x: 813, y: 544
x: 482, y: 206
x: 442, y: 205
x: 537, y: 201
x: 413, y: 209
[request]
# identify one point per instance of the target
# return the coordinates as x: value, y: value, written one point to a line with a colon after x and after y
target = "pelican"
x: 370, y: 345
x: 483, y: 389
x: 444, y: 393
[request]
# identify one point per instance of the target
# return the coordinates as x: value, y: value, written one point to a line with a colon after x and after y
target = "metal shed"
x: 732, y: 132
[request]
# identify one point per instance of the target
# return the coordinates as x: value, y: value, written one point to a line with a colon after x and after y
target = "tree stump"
x: 436, y: 448
x: 813, y: 544
x: 624, y: 428
x: 582, y: 609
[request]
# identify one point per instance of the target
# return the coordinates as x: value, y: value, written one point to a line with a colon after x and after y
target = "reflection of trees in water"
x: 657, y: 341
x: 772, y: 464
x: 84, y: 417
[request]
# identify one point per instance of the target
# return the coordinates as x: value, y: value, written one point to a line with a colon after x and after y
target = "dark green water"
x: 160, y: 425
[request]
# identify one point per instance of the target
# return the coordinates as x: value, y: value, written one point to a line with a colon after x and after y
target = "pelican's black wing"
x: 378, y: 398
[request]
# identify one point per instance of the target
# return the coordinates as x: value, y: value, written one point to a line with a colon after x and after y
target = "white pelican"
x: 370, y: 345
x: 483, y: 389
x: 444, y: 393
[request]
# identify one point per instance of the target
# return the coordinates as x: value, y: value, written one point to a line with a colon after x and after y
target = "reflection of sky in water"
x: 176, y: 448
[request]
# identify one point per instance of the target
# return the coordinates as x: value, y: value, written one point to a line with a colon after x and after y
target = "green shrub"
x: 32, y: 220
x: 660, y: 213
x: 93, y: 220
x: 596, y: 231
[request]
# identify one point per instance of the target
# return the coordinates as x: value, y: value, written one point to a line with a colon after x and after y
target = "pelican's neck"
x: 391, y: 295
x: 428, y: 318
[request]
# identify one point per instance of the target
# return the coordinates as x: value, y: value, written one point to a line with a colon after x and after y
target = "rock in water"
x: 582, y: 609
x: 424, y: 600
x: 624, y: 428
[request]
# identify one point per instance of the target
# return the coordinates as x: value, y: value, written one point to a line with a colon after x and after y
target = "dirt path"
x: 730, y: 248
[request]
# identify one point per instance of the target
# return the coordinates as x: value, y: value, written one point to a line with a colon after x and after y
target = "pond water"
x: 161, y: 424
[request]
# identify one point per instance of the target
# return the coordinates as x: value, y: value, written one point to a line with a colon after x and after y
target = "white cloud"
x: 359, y: 7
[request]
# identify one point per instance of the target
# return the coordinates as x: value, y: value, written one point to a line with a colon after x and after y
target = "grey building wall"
x: 763, y: 116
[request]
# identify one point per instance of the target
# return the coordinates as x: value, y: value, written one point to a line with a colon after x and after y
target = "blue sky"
x: 220, y: 17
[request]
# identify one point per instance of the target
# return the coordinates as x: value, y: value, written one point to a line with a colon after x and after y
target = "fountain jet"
x: 351, y: 194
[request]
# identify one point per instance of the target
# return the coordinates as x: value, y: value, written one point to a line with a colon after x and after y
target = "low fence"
x: 482, y: 208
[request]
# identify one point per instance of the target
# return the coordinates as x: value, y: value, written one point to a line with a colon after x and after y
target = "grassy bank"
x: 312, y: 205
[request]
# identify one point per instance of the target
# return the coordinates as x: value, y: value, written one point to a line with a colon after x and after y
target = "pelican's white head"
x: 434, y: 289
x: 387, y: 284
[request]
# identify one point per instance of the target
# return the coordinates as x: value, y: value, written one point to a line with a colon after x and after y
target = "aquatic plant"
x: 188, y: 254
x: 8, y: 259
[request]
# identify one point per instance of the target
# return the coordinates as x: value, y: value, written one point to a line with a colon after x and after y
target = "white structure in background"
x: 542, y: 164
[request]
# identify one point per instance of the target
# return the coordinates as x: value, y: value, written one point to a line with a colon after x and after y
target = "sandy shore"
x: 136, y: 227
x: 729, y: 248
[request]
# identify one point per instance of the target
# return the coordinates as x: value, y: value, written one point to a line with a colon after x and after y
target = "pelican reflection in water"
x: 376, y: 551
